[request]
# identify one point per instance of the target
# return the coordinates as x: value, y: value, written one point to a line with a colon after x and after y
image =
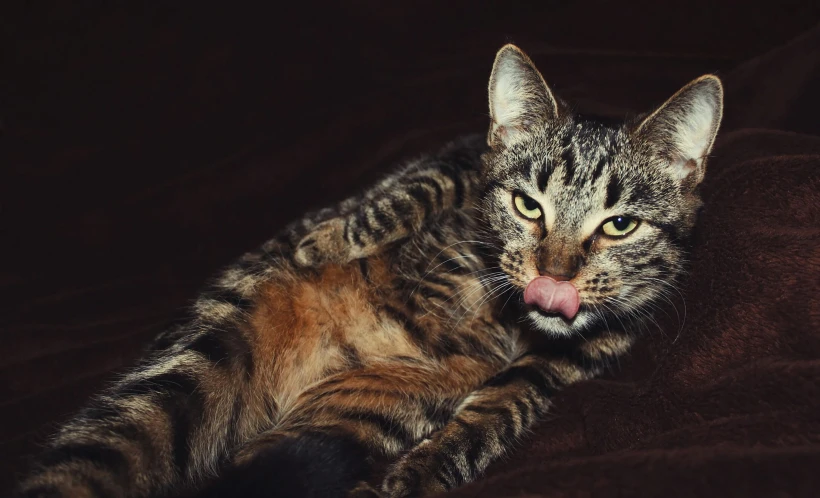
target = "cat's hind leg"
x: 312, y: 463
x: 331, y: 441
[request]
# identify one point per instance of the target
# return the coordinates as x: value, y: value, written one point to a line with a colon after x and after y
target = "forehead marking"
x: 613, y: 192
x: 599, y: 168
x: 568, y: 158
x: 544, y: 176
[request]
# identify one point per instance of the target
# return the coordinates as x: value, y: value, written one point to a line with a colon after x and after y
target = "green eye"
x: 527, y: 206
x: 619, y: 226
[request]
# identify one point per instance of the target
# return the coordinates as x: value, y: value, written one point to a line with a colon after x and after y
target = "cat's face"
x: 604, y: 207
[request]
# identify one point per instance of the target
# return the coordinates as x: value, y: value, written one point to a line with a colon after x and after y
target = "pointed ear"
x: 683, y: 129
x: 519, y: 97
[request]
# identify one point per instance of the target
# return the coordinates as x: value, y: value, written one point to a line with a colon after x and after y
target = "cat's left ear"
x: 519, y: 97
x: 683, y: 129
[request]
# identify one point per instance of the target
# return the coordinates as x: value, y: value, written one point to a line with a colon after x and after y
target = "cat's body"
x: 304, y: 364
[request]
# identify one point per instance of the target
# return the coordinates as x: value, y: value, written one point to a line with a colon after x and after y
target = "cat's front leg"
x: 487, y: 425
x: 396, y: 207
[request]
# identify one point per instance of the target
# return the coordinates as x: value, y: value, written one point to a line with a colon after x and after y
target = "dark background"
x: 143, y: 147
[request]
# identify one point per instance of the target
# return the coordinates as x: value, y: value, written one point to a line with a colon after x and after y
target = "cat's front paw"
x: 416, y: 474
x: 325, y: 243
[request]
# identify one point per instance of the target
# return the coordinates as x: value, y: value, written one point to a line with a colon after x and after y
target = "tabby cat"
x: 426, y: 324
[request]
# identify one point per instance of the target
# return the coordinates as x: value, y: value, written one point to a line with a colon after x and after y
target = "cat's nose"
x: 560, y: 267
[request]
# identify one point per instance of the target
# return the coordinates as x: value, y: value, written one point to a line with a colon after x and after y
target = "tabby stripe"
x: 523, y: 413
x: 99, y: 454
x: 640, y: 194
x: 437, y: 415
x: 421, y: 195
x: 477, y: 440
x: 416, y: 333
x: 182, y: 400
x: 599, y: 169
x: 528, y: 373
x: 446, y: 345
x: 346, y: 230
x: 671, y: 231
x: 477, y: 347
x: 403, y: 211
x: 544, y: 177
x: 437, y: 234
x: 385, y: 425
x: 483, y: 410
x: 452, y: 266
x: 448, y: 470
x: 439, y: 280
x: 386, y: 223
x: 448, y: 473
x: 364, y: 269
x: 431, y: 293
x: 351, y: 356
x: 221, y: 347
x: 511, y: 428
x: 103, y: 413
x: 454, y: 175
x: 568, y: 157
x: 492, y: 185
x: 613, y: 192
x: 356, y: 237
x: 437, y: 190
x: 445, y: 483
x: 362, y: 222
x: 505, y: 413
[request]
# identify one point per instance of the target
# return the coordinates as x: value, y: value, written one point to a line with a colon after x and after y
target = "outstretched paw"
x: 325, y: 243
x: 417, y: 474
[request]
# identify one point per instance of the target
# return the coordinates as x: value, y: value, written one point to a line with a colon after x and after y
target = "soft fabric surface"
x: 141, y: 149
x: 724, y: 398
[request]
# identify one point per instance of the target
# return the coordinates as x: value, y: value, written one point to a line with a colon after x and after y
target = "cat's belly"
x: 311, y: 326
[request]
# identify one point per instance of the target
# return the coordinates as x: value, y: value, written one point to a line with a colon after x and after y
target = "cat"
x: 426, y: 323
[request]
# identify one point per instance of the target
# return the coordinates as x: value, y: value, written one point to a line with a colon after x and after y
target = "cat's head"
x: 605, y: 207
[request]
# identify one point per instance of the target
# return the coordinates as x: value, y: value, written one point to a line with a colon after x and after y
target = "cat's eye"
x: 528, y: 207
x: 619, y: 226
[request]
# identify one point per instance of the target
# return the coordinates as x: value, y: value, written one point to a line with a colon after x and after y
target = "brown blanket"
x: 724, y: 398
x: 141, y: 149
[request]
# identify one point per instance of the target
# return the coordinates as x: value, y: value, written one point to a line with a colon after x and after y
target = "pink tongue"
x: 553, y: 296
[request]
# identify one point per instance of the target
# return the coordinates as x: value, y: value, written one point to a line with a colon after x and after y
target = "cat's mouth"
x: 549, y: 314
x: 553, y: 298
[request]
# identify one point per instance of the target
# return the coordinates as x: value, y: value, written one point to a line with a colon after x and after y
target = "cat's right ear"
x: 519, y: 97
x: 683, y: 129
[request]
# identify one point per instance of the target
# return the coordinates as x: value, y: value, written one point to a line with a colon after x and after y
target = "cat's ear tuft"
x: 519, y: 97
x: 684, y: 128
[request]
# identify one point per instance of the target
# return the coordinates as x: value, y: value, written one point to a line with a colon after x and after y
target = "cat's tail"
x: 167, y: 424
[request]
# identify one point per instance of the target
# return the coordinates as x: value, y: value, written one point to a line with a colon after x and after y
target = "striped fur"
x: 391, y: 327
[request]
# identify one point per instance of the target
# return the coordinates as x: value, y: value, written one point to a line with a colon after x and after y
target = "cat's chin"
x: 556, y: 324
